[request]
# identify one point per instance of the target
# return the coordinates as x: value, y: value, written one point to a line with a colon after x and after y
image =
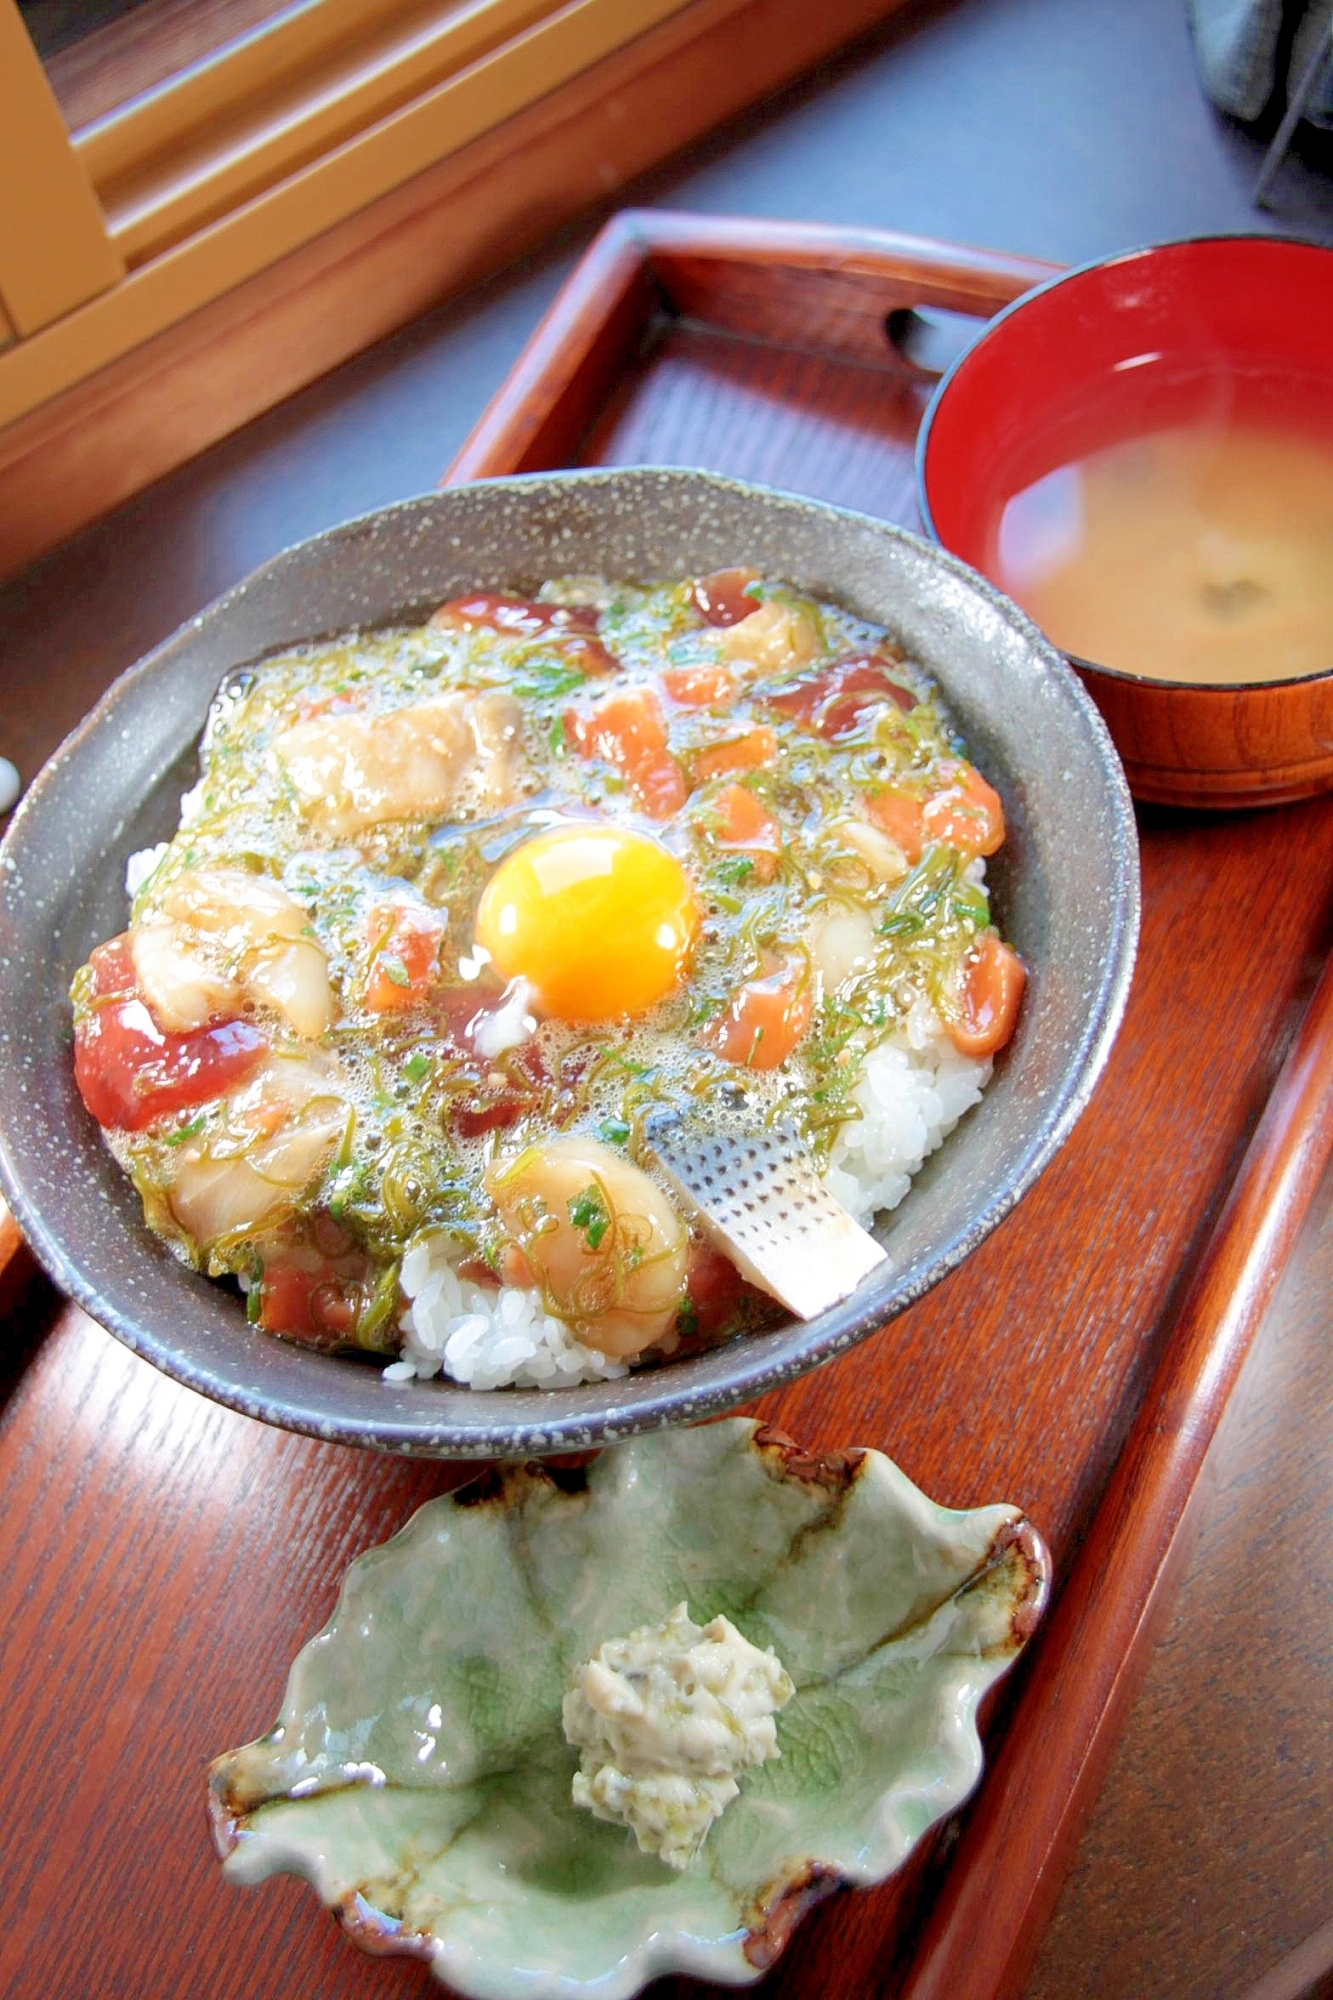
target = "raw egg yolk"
x: 600, y: 920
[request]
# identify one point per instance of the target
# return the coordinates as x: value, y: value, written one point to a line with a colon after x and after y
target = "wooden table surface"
x: 1058, y: 131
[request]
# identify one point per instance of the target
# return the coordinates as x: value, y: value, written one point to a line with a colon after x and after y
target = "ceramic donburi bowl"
x: 419, y: 1778
x: 1065, y: 886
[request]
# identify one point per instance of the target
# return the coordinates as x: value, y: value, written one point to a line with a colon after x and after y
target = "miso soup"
x: 1199, y: 553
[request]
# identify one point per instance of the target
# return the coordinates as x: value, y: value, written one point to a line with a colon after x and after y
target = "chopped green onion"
x: 184, y: 1132
x: 587, y: 1211
x: 545, y: 680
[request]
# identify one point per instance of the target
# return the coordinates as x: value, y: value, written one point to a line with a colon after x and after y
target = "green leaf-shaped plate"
x: 418, y: 1776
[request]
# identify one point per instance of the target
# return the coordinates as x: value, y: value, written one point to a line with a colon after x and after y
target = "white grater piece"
x: 760, y: 1200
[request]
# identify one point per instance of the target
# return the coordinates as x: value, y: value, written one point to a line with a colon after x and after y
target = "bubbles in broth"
x: 1196, y: 553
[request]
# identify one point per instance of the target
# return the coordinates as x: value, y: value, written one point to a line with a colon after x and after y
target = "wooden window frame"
x: 472, y: 174
x: 123, y: 235
x: 323, y: 73
x: 54, y: 248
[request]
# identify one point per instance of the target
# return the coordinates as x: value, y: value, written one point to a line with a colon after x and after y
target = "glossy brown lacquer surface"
x: 1219, y: 747
x: 167, y: 1557
x: 1209, y: 1849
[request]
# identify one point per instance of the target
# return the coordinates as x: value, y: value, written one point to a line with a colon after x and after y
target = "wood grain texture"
x: 232, y: 97
x: 829, y: 290
x: 92, y: 446
x: 155, y: 40
x: 242, y: 186
x: 177, y: 1555
x: 1208, y: 1860
x: 825, y: 291
x: 1007, y: 1872
x: 710, y: 400
x: 1220, y: 747
x: 221, y: 1526
x: 257, y: 235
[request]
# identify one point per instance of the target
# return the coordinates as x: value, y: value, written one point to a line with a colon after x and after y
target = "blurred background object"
x: 1267, y: 57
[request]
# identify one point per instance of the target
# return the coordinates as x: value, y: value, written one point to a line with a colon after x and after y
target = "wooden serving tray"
x: 1079, y: 1362
x: 166, y: 1557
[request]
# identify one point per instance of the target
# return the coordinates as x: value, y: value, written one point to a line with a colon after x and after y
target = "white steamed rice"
x: 484, y: 1338
x: 913, y: 1089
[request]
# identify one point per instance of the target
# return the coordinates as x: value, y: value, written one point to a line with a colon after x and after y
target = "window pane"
x: 101, y: 53
x: 54, y: 24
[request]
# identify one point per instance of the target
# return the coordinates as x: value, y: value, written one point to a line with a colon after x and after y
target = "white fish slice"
x: 758, y: 1197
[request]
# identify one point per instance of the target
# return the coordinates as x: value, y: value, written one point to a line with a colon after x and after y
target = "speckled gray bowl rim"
x: 750, y: 1366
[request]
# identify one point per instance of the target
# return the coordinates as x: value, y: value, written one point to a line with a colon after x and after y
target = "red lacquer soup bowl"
x: 1229, y: 330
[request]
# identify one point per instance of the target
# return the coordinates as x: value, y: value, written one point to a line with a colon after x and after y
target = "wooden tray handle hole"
x: 930, y: 338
